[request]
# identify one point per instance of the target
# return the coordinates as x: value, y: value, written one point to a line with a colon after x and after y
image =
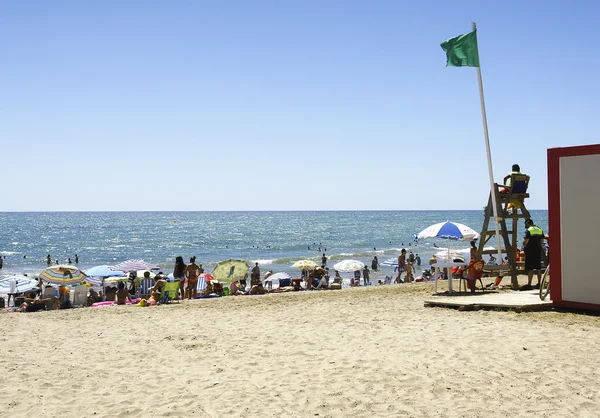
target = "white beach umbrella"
x: 349, y: 265
x: 278, y: 276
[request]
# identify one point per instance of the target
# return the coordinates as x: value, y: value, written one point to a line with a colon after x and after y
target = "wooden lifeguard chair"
x: 511, y: 205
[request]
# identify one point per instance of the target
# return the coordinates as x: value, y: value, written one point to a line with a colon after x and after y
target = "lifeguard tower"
x: 510, y: 201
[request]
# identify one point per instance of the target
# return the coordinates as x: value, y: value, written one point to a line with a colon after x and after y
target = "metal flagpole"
x: 488, y: 151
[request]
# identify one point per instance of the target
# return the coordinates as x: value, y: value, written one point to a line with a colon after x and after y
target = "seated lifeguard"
x: 514, y: 192
x: 474, y: 273
x: 516, y: 170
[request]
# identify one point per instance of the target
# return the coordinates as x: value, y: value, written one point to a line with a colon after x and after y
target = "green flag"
x: 461, y: 51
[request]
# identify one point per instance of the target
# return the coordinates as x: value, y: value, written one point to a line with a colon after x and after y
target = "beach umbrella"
x: 103, y: 271
x: 349, y: 265
x: 140, y: 274
x: 65, y: 275
x: 230, y: 270
x: 392, y: 262
x: 305, y: 265
x: 134, y: 265
x: 449, y: 230
x: 114, y: 279
x: 206, y: 277
x: 17, y: 283
x: 278, y: 276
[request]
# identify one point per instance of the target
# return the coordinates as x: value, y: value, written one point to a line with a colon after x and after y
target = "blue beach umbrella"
x: 449, y: 230
x: 103, y: 271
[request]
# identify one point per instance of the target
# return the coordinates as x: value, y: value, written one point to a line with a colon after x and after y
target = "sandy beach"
x: 361, y: 352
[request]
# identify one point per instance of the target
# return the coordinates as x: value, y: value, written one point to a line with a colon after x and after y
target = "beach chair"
x: 514, y: 194
x: 201, y: 285
x: 170, y: 292
x: 50, y: 293
x: 80, y: 295
x: 477, y: 273
x: 145, y: 288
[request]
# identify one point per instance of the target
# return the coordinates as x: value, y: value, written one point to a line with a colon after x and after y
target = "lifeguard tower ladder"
x: 511, y: 205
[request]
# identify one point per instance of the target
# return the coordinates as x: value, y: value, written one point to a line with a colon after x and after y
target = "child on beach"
x: 410, y: 269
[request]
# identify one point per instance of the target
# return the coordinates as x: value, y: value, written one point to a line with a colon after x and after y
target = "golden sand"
x: 362, y: 352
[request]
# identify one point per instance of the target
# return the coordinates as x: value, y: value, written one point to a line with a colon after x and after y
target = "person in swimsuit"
x: 179, y: 274
x: 122, y: 294
x: 401, y: 264
x: 192, y: 271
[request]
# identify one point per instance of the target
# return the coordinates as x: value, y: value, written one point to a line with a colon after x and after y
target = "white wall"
x: 580, y: 228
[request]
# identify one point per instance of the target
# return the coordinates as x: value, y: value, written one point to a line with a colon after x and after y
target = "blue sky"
x: 285, y: 105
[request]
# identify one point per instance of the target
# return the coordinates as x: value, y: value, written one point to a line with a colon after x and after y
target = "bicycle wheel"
x: 545, y: 284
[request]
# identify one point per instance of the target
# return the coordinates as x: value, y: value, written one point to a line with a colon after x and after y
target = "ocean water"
x: 273, y: 239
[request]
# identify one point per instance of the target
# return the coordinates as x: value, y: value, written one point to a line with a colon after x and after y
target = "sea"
x: 273, y: 239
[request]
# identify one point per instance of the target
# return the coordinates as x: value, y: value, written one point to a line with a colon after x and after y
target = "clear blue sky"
x: 285, y: 105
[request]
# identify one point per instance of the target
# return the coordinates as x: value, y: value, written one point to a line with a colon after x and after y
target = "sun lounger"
x: 80, y: 296
x: 50, y: 293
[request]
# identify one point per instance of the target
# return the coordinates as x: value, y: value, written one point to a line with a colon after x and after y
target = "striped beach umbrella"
x: 17, y: 283
x: 449, y: 230
x: 66, y: 275
x: 134, y: 265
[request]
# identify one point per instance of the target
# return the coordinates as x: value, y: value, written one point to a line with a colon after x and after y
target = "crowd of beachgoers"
x: 142, y: 284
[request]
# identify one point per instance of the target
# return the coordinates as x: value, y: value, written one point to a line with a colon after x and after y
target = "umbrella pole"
x: 449, y: 270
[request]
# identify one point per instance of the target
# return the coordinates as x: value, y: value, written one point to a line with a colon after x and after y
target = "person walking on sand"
x: 366, y: 275
x: 179, y: 274
x: 192, y: 271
